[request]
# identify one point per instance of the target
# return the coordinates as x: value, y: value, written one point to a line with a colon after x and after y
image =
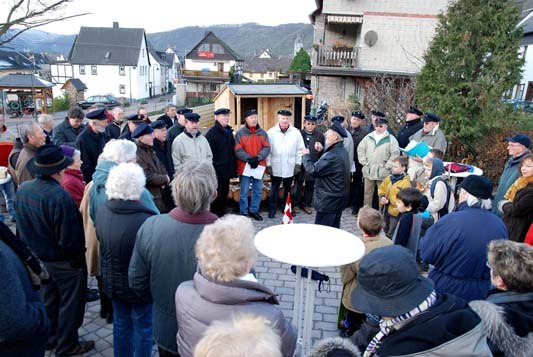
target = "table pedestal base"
x: 304, y: 322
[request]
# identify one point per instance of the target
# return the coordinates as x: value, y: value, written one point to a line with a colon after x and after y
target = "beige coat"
x: 377, y: 156
x: 21, y: 169
x: 349, y: 271
x: 91, y: 242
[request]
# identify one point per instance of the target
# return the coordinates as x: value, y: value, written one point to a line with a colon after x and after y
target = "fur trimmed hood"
x: 499, y: 332
x: 334, y: 347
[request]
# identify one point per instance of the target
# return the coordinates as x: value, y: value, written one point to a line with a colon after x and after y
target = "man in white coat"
x: 285, y: 158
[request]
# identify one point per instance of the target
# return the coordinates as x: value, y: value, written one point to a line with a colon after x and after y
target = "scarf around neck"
x: 519, y: 184
x: 387, y: 326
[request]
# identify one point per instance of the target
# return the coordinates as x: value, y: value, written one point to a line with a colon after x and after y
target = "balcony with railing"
x: 335, y: 56
x: 205, y: 74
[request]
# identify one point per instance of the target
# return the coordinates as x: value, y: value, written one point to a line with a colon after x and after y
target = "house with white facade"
x: 207, y: 67
x: 356, y: 41
x: 159, y: 73
x: 524, y: 90
x: 109, y: 60
x: 175, y: 64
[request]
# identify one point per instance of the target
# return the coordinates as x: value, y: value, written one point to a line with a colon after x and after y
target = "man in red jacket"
x: 251, y: 149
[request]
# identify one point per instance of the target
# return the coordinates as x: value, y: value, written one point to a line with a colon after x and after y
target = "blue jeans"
x: 8, y: 189
x: 132, y: 329
x: 257, y: 187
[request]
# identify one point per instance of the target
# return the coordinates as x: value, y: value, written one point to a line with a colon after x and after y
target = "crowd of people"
x: 142, y: 206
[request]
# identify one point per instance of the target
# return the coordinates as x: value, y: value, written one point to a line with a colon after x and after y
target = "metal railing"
x: 328, y: 56
x: 191, y: 73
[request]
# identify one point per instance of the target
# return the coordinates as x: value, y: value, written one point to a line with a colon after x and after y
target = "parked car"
x: 108, y: 100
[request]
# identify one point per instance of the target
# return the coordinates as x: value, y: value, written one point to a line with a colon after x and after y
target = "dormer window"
x: 107, y: 55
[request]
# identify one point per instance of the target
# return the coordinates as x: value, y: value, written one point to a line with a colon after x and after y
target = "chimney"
x: 115, y: 24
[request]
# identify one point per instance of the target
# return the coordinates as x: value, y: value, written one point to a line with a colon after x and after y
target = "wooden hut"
x: 32, y: 93
x: 266, y: 98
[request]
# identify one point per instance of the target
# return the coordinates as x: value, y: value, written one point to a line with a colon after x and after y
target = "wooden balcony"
x: 344, y: 57
x: 205, y: 74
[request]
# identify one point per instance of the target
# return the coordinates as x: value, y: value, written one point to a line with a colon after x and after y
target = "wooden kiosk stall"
x: 266, y: 98
x: 25, y: 93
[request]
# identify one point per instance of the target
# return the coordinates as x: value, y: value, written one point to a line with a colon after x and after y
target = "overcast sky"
x: 164, y: 15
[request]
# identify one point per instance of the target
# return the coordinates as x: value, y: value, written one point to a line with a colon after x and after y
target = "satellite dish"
x: 371, y: 37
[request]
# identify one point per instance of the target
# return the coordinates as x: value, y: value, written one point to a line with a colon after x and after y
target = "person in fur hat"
x: 334, y: 347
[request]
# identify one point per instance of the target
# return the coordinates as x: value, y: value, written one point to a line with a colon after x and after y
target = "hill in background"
x: 246, y: 39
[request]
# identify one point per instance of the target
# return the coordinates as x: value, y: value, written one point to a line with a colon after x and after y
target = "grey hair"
x: 194, y: 186
x: 27, y: 130
x: 76, y: 155
x: 125, y: 182
x: 168, y: 106
x: 45, y: 119
x: 117, y: 110
x: 472, y: 200
x: 119, y: 151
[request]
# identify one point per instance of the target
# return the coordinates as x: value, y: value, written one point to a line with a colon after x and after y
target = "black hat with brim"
x: 222, y: 111
x: 310, y: 118
x: 415, y: 110
x: 336, y: 127
x: 134, y: 118
x: 431, y: 117
x: 49, y: 159
x: 358, y: 114
x: 377, y: 113
x: 380, y: 120
x: 284, y: 112
x: 183, y: 111
x: 142, y: 129
x: 158, y: 124
x: 97, y: 114
x: 250, y: 112
x: 338, y: 119
x: 192, y: 117
x: 389, y: 283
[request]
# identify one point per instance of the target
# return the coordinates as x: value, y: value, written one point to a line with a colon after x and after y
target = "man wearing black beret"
x: 358, y: 131
x: 91, y: 142
x: 221, y: 141
x: 374, y: 116
x: 413, y: 123
x: 303, y: 197
x: 132, y: 121
x: 332, y: 177
x: 179, y: 125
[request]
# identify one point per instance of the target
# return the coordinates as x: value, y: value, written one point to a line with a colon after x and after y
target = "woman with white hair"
x: 115, y: 152
x: 456, y: 245
x: 117, y: 223
x: 223, y: 286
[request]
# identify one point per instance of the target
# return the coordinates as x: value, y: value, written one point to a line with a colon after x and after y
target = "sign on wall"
x: 206, y: 54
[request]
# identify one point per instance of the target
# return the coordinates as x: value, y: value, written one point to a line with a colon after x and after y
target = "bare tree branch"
x: 29, y: 14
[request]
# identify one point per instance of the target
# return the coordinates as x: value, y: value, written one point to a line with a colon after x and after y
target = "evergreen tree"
x: 301, y: 62
x: 472, y: 60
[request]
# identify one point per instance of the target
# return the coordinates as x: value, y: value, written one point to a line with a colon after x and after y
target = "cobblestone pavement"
x: 273, y: 274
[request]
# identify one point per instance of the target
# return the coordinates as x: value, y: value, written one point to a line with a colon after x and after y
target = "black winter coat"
x: 332, y: 178
x: 64, y: 134
x: 168, y: 120
x: 518, y: 215
x: 357, y: 135
x: 408, y: 130
x: 112, y: 131
x: 91, y: 145
x: 117, y: 223
x: 309, y: 142
x: 164, y: 154
x: 222, y: 142
x: 173, y: 133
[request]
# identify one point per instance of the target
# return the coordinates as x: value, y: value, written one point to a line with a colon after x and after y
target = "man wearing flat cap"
x: 221, y: 141
x: 374, y: 116
x: 376, y: 153
x: 457, y: 243
x: 332, y: 177
x: 132, y: 121
x: 431, y: 135
x: 179, y: 125
x: 285, y: 160
x: 358, y: 132
x: 305, y: 183
x: 91, y: 142
x: 413, y: 123
x: 251, y: 148
x: 161, y: 146
x: 191, y: 144
x: 156, y: 175
x: 518, y: 146
x: 49, y: 222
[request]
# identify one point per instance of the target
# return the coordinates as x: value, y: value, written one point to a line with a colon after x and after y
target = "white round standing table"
x: 308, y: 245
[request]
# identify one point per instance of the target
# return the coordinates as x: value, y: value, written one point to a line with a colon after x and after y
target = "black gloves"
x: 253, y: 161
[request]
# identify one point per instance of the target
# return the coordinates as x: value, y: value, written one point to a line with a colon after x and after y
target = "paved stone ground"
x: 273, y: 274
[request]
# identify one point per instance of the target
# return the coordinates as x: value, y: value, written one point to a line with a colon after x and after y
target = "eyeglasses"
x: 379, y: 126
x: 310, y: 123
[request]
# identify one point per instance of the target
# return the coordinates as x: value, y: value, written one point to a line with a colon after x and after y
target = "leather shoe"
x: 255, y: 216
x: 81, y: 348
x: 308, y: 210
x: 271, y: 214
